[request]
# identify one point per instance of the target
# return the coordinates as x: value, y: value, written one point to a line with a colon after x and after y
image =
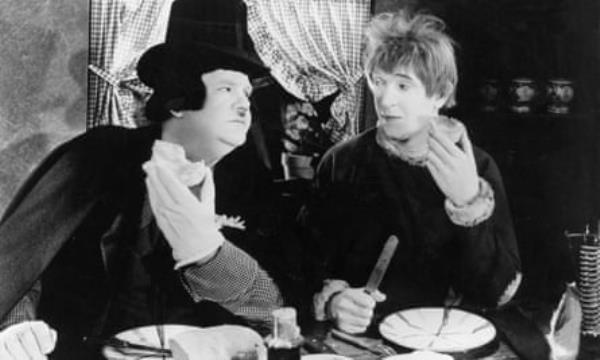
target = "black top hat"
x: 182, y: 59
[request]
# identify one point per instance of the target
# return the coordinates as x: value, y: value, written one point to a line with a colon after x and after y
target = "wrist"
x: 469, y: 198
x: 200, y: 251
x: 474, y: 212
x: 197, y: 260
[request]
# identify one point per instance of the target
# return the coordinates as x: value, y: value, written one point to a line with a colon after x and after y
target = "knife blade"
x: 382, y: 264
x: 120, y: 344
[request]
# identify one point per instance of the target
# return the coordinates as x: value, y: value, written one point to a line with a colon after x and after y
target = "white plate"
x: 324, y: 357
x: 145, y: 335
x: 418, y: 329
x: 420, y: 355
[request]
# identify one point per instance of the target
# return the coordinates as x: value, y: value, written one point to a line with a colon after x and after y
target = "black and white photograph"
x: 300, y: 180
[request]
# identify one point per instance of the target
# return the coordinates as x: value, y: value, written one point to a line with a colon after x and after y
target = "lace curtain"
x: 120, y: 31
x: 313, y: 48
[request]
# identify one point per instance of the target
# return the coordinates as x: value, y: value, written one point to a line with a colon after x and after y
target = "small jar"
x: 560, y: 93
x: 285, y: 341
x: 522, y: 92
x: 489, y: 91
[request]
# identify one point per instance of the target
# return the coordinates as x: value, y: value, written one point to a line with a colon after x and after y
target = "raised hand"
x: 187, y: 222
x: 29, y: 340
x: 453, y: 166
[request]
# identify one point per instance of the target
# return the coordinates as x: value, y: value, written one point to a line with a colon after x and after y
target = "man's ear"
x: 441, y: 99
x: 176, y: 114
x: 438, y: 102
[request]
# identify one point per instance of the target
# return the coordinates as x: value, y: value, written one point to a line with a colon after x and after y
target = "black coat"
x: 74, y: 218
x: 363, y: 195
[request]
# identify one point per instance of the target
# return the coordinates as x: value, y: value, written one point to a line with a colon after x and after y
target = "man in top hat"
x: 117, y: 228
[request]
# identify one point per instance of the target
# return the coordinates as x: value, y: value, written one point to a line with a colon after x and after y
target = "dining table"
x: 518, y: 338
x: 321, y: 339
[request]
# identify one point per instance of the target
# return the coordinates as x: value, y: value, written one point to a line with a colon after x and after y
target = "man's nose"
x: 242, y: 105
x: 386, y: 97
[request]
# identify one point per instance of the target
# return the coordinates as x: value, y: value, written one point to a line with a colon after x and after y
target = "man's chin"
x: 233, y: 142
x: 397, y: 136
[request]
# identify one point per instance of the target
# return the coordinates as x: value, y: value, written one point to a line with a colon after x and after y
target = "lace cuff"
x: 475, y: 211
x: 321, y: 299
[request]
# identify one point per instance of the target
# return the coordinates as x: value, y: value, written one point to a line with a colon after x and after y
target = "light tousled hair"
x: 417, y: 42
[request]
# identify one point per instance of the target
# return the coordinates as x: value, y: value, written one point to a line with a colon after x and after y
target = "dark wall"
x: 42, y: 82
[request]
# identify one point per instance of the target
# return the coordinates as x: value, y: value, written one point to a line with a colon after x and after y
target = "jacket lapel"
x: 134, y: 214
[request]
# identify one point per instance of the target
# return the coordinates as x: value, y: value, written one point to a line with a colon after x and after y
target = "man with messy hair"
x: 415, y: 175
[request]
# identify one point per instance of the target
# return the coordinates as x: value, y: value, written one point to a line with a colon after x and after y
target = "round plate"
x: 420, y: 355
x: 419, y: 329
x: 145, y: 335
x: 324, y: 357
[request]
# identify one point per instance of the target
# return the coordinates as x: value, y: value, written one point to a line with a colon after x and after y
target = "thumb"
x: 378, y: 296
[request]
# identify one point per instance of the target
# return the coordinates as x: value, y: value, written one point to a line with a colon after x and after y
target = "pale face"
x: 404, y: 110
x: 224, y: 120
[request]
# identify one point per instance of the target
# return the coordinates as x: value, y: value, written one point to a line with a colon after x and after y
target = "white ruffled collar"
x: 173, y: 156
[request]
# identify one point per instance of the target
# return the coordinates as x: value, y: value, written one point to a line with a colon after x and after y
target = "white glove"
x: 187, y: 222
x: 29, y: 340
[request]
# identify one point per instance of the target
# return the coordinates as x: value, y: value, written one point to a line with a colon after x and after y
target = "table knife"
x: 127, y: 345
x: 382, y: 264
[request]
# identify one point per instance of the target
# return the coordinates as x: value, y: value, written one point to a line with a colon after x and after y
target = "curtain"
x: 120, y: 31
x: 313, y: 48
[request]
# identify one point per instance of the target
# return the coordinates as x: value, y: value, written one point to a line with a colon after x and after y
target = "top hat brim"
x: 191, y: 59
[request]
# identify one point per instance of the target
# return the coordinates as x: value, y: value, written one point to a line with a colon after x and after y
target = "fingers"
x: 351, y: 329
x: 435, y: 163
x: 170, y: 186
x: 444, y: 143
x: 465, y: 143
x: 30, y: 344
x: 378, y: 296
x: 170, y: 193
x: 45, y: 336
x: 160, y: 197
x: 27, y: 341
x: 4, y: 354
x: 353, y: 310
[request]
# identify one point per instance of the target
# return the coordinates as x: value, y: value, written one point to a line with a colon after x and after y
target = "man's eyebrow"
x: 235, y: 83
x: 403, y: 76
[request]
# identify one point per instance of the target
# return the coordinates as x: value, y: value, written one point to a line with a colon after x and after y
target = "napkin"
x: 225, y: 342
x: 420, y: 355
x: 565, y: 323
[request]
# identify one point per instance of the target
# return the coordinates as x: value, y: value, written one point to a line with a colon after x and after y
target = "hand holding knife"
x: 352, y: 308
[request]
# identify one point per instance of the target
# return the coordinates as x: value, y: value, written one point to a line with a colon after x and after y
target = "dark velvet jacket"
x: 363, y: 195
x: 75, y: 219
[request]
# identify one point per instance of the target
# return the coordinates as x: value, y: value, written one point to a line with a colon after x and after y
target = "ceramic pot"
x: 559, y: 92
x: 489, y: 91
x: 522, y: 92
x: 297, y: 166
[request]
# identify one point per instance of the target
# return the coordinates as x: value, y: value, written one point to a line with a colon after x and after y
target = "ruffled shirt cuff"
x: 510, y: 290
x: 321, y: 299
x: 475, y: 211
